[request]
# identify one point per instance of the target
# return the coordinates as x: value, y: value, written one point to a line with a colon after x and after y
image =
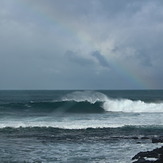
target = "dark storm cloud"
x: 73, y: 57
x: 68, y: 44
x: 101, y: 59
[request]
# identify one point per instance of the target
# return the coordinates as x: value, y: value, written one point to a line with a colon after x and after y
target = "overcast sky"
x: 81, y: 44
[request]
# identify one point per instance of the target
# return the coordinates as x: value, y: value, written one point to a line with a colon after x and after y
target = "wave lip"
x: 89, y: 96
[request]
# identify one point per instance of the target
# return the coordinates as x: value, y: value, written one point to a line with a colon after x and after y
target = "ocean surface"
x: 78, y: 126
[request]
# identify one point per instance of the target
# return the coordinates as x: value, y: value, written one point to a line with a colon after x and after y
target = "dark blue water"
x: 78, y: 126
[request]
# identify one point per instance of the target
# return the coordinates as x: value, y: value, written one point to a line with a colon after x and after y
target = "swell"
x: 85, y: 106
x: 88, y: 133
x: 57, y: 106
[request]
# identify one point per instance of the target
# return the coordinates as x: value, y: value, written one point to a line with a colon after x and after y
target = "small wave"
x: 92, y: 132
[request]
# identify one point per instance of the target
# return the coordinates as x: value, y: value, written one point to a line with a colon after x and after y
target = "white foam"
x: 114, y: 105
x: 126, y: 105
x: 64, y: 125
x: 82, y: 121
x: 150, y: 114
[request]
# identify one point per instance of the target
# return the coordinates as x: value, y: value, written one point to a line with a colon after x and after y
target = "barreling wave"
x: 85, y: 102
x: 57, y: 106
x: 114, y: 105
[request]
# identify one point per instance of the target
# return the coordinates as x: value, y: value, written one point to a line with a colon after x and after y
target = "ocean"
x: 103, y: 126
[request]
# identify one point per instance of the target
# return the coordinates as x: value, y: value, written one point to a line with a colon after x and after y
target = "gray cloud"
x: 73, y: 57
x: 47, y: 44
x: 101, y: 59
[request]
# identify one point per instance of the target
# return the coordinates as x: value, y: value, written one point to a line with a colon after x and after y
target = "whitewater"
x: 41, y: 124
x: 115, y: 105
x: 81, y: 109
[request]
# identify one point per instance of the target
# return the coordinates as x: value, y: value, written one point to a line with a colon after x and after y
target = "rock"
x: 156, y: 154
x: 144, y: 137
x: 157, y: 140
x: 142, y: 160
x: 134, y: 137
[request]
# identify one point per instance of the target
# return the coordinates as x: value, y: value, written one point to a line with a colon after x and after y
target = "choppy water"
x: 83, y: 126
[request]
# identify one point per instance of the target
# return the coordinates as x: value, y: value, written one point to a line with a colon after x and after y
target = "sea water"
x: 78, y: 126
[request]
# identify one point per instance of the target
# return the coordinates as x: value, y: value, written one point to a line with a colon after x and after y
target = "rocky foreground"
x: 154, y: 156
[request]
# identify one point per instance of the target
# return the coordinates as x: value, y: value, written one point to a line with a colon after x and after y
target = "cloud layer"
x: 88, y: 44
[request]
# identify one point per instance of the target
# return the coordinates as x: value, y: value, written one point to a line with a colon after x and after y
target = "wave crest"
x: 90, y: 96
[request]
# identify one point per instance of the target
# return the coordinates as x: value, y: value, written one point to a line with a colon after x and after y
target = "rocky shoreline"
x: 154, y: 156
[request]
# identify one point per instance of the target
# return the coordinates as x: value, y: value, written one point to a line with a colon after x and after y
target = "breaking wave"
x: 114, y: 105
x: 127, y: 105
x: 85, y: 102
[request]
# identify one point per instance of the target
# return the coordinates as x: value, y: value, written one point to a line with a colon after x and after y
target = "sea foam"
x: 114, y: 105
x: 126, y: 105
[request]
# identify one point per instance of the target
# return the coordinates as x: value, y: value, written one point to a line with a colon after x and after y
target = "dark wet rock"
x: 145, y: 137
x: 138, y: 142
x: 157, y: 139
x: 154, y: 154
x: 134, y: 137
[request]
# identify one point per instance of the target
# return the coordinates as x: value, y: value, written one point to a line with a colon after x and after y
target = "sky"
x: 74, y: 44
